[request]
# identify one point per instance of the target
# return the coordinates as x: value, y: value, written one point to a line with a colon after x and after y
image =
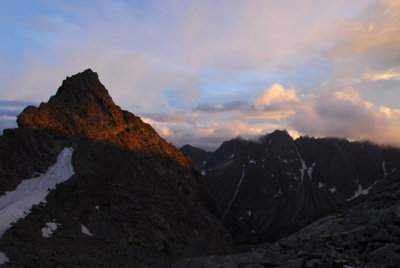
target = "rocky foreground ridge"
x: 366, y: 235
x: 133, y: 201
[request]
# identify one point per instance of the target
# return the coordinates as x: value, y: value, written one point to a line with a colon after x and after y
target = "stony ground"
x: 366, y: 235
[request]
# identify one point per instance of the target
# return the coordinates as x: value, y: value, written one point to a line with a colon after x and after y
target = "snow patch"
x: 310, y: 170
x: 320, y: 185
x: 249, y: 213
x: 203, y: 172
x: 97, y: 207
x: 232, y: 155
x: 384, y: 168
x: 16, y: 204
x: 303, y: 165
x: 50, y: 229
x: 228, y: 163
x: 85, y: 230
x: 361, y: 191
x: 3, y: 258
x: 333, y: 189
x: 285, y: 161
x: 252, y: 162
x: 236, y: 192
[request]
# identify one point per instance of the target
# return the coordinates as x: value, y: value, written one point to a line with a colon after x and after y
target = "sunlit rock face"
x: 82, y: 107
x: 270, y: 188
x: 133, y: 201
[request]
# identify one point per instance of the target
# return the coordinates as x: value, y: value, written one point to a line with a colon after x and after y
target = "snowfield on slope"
x: 15, y: 205
x: 3, y: 258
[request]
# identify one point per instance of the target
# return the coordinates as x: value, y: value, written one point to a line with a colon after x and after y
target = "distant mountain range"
x: 273, y: 187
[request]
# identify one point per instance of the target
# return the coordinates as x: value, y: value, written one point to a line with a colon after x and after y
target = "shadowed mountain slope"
x: 199, y: 156
x: 271, y: 188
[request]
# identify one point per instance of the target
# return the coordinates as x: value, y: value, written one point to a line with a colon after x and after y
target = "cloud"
x: 332, y: 111
x: 131, y: 78
x: 348, y: 94
x: 9, y: 109
x: 377, y: 31
x: 274, y: 102
x: 17, y: 103
x: 227, y: 107
x: 222, y: 58
x: 9, y: 112
x: 367, y: 48
x: 174, y: 116
x: 7, y: 122
x: 346, y: 114
x: 389, y: 112
x: 354, y: 101
x: 391, y: 74
x: 274, y: 95
x: 237, y: 35
x: 209, y: 135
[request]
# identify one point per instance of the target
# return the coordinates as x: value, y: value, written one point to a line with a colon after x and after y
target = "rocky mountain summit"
x: 268, y: 189
x: 132, y: 200
x: 83, y: 107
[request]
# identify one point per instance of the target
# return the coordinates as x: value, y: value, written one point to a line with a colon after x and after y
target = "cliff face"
x: 134, y: 200
x: 82, y: 107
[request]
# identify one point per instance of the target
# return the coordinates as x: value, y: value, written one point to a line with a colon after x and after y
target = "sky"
x: 202, y: 72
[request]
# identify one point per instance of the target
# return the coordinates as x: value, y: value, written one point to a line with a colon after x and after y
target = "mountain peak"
x: 278, y: 136
x: 82, y: 107
x: 80, y: 90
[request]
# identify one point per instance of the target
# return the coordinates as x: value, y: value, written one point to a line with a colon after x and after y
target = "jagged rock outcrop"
x: 82, y: 107
x: 134, y: 200
x: 199, y: 156
x: 270, y: 188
